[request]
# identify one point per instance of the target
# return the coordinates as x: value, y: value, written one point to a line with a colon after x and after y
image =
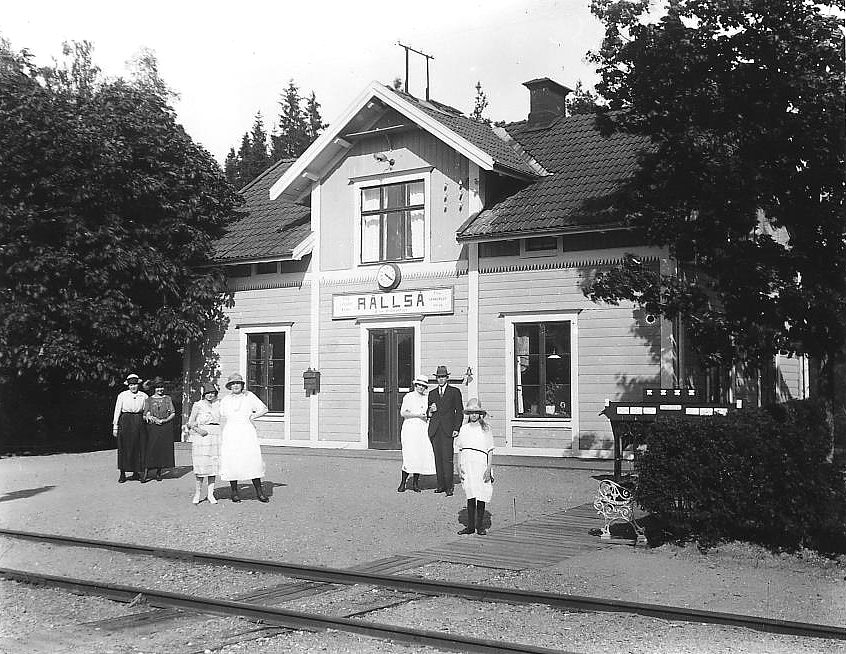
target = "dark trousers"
x: 442, y: 446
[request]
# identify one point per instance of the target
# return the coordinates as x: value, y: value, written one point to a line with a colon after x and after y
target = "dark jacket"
x: 450, y: 413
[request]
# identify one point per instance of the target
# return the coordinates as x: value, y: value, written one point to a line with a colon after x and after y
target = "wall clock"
x: 388, y: 276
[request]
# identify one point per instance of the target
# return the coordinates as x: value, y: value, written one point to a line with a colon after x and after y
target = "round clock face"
x: 388, y: 276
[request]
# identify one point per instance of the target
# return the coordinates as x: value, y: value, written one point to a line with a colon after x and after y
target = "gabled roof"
x: 268, y: 229
x: 476, y: 141
x: 587, y: 170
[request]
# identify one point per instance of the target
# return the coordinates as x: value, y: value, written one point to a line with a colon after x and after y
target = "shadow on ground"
x: 24, y: 493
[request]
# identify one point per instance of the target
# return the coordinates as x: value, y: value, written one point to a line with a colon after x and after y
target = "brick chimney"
x: 546, y: 100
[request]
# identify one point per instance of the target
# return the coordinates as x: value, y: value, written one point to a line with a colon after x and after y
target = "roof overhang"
x: 559, y: 231
x: 363, y: 112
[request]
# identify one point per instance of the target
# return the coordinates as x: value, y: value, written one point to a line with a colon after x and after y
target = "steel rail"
x: 469, y: 591
x: 279, y: 617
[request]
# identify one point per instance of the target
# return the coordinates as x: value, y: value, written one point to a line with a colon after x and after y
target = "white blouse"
x: 128, y: 402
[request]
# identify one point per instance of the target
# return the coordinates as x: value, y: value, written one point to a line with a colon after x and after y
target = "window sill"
x: 367, y: 264
x: 272, y: 417
x: 541, y: 419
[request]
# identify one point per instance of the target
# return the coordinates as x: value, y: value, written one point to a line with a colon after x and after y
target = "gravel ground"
x: 330, y: 510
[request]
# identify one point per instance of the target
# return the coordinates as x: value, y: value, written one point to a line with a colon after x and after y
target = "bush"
x: 759, y: 475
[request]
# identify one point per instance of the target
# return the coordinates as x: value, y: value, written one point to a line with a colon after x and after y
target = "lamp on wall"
x: 379, y: 156
x: 554, y: 354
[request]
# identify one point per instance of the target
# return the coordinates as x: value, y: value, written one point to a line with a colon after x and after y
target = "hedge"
x: 758, y: 475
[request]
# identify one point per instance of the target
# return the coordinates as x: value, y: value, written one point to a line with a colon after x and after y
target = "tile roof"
x: 587, y: 170
x: 479, y: 134
x: 268, y: 228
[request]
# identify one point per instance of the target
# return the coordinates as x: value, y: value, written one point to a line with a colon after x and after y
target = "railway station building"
x: 410, y: 236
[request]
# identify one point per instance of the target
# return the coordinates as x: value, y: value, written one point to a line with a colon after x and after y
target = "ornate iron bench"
x: 614, y: 502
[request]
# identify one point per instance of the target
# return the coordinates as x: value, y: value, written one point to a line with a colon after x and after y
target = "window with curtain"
x: 392, y: 222
x: 266, y: 368
x: 542, y: 370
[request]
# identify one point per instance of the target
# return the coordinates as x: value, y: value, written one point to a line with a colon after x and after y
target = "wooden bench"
x: 614, y: 503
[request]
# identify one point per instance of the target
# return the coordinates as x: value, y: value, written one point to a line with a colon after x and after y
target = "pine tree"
x: 479, y: 105
x: 292, y: 138
x: 315, y: 121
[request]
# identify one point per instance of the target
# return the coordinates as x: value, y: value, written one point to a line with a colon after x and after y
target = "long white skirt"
x: 240, y: 454
x: 417, y: 454
x: 473, y: 465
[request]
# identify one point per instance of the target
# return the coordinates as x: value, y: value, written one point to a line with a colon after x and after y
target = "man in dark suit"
x: 446, y: 412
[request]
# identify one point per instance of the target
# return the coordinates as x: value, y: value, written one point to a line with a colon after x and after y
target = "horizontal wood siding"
x: 272, y: 306
x: 619, y: 353
x: 559, y: 438
x: 788, y: 378
x: 445, y: 337
x: 340, y: 364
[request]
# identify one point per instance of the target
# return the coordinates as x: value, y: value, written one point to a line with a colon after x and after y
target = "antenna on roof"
x: 422, y: 54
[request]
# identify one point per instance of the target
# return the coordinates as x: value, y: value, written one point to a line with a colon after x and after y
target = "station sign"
x: 424, y: 301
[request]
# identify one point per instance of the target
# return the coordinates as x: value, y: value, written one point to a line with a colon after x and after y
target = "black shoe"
x: 448, y: 492
x: 440, y: 490
x: 466, y: 530
x: 263, y: 498
x: 235, y: 497
x: 122, y: 478
x: 481, y: 530
x: 415, y: 487
x: 158, y: 475
x: 401, y: 487
x: 144, y: 478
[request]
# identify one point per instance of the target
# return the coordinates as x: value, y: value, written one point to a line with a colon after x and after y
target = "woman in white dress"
x: 475, y: 447
x: 204, y: 434
x: 240, y: 454
x: 418, y: 457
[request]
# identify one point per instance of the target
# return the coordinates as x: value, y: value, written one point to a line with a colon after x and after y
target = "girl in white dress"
x: 475, y: 446
x: 418, y: 457
x: 240, y: 454
x: 204, y: 434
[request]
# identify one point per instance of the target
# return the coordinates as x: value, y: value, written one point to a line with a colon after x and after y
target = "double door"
x: 391, y: 369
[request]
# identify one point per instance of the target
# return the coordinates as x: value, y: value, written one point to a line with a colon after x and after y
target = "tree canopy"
x: 744, y: 104
x: 108, y: 212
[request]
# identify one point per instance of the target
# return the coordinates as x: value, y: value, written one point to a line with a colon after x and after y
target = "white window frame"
x: 511, y: 418
x: 370, y: 181
x: 275, y: 416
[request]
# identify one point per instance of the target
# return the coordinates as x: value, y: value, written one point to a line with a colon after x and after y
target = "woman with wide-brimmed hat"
x: 128, y: 428
x: 203, y: 428
x: 158, y: 414
x: 417, y: 455
x: 475, y: 457
x: 240, y: 454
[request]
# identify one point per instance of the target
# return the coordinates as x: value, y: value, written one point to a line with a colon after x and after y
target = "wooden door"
x: 391, y: 355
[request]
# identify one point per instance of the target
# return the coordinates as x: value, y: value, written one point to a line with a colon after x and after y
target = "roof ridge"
x: 265, y: 172
x: 511, y: 142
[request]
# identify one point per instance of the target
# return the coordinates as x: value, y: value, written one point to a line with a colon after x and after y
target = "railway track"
x: 407, y: 584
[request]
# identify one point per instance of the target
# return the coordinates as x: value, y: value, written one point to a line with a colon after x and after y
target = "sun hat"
x: 474, y: 406
x: 420, y: 379
x: 442, y: 372
x: 132, y: 378
x: 208, y: 387
x: 234, y: 378
x: 157, y: 382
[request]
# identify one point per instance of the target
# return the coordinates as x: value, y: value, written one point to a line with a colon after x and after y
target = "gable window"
x: 266, y: 368
x: 542, y: 379
x: 392, y: 222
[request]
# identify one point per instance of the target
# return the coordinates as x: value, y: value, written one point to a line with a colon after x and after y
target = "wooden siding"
x: 558, y: 437
x: 272, y: 306
x: 618, y: 353
x: 414, y: 150
x: 789, y: 378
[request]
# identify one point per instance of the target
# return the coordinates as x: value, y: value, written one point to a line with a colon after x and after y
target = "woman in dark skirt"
x: 158, y: 413
x: 128, y: 428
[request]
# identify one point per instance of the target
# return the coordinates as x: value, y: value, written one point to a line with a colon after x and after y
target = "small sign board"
x: 424, y: 301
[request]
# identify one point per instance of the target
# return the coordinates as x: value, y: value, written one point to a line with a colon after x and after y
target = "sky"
x: 228, y: 61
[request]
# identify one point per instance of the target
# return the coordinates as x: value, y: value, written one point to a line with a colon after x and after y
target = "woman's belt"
x: 135, y: 413
x: 474, y: 450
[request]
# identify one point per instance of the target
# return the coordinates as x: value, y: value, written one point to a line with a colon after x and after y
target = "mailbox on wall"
x: 311, y: 381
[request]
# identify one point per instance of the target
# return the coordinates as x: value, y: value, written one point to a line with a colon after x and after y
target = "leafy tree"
x: 582, y: 100
x: 292, y: 137
x: 744, y: 102
x: 108, y: 212
x: 480, y: 103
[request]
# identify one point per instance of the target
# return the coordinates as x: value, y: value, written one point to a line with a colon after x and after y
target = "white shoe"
x: 211, y: 497
x: 197, y: 498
